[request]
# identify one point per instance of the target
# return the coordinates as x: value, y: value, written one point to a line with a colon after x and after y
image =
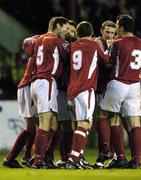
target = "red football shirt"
x: 29, y: 72
x: 50, y: 56
x: 84, y: 70
x: 29, y: 45
x: 126, y: 59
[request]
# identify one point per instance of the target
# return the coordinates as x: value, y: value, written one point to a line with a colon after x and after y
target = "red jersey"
x: 126, y: 60
x: 84, y: 69
x: 28, y: 75
x: 30, y: 68
x: 50, y: 56
x: 29, y: 46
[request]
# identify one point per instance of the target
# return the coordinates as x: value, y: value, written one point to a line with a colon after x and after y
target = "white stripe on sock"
x: 80, y: 133
x: 75, y: 153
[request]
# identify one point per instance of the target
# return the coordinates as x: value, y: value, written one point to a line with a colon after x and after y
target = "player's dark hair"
x: 127, y: 22
x: 84, y: 29
x: 122, y: 15
x: 56, y: 20
x: 73, y: 23
x: 109, y: 24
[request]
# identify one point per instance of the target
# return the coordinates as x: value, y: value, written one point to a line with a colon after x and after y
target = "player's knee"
x: 112, y: 115
x: 103, y: 114
x: 114, y: 119
x: 85, y: 124
x: 54, y: 126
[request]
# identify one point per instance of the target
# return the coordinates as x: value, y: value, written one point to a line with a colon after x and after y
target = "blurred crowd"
x: 11, y: 71
x: 97, y: 11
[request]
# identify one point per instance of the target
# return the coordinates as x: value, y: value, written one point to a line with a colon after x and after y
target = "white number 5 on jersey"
x: 39, y: 59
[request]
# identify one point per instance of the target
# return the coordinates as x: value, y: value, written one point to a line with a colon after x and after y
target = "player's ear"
x: 58, y: 26
x: 101, y: 30
x: 121, y: 28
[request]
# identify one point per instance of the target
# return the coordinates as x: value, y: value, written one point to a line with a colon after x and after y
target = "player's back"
x: 84, y: 71
x: 126, y: 57
x: 50, y: 55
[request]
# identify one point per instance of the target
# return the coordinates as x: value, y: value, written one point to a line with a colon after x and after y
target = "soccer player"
x: 123, y: 91
x: 50, y: 55
x: 107, y: 30
x: 64, y: 139
x: 27, y: 110
x: 64, y: 133
x: 83, y: 82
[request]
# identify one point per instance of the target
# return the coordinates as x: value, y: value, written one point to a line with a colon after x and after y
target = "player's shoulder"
x: 99, y: 38
x: 85, y: 44
x: 86, y: 41
x: 48, y: 39
x: 117, y: 42
x: 101, y: 41
x: 136, y: 38
x: 39, y: 39
x: 128, y: 38
x: 60, y: 42
x: 98, y: 42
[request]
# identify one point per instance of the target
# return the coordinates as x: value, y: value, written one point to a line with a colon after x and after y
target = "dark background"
x: 35, y: 14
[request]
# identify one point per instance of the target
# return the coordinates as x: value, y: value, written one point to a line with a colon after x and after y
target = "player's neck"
x: 87, y: 37
x: 128, y: 34
x: 53, y: 32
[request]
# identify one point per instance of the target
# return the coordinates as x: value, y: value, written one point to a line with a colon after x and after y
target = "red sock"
x: 17, y: 147
x: 41, y: 142
x: 117, y: 142
x: 52, y: 144
x: 82, y: 151
x: 104, y: 135
x: 136, y: 140
x: 28, y: 145
x: 111, y: 145
x: 78, y: 144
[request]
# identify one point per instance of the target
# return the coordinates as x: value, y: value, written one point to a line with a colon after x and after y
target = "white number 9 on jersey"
x: 77, y: 60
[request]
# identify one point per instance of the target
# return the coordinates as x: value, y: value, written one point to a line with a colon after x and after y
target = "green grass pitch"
x: 61, y: 174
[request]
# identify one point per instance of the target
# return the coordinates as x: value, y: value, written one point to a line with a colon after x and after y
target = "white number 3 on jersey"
x: 137, y: 63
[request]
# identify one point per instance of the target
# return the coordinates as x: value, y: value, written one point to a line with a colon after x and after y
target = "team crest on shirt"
x: 65, y: 45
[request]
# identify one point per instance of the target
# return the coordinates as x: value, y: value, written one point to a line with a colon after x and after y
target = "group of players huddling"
x: 70, y: 80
